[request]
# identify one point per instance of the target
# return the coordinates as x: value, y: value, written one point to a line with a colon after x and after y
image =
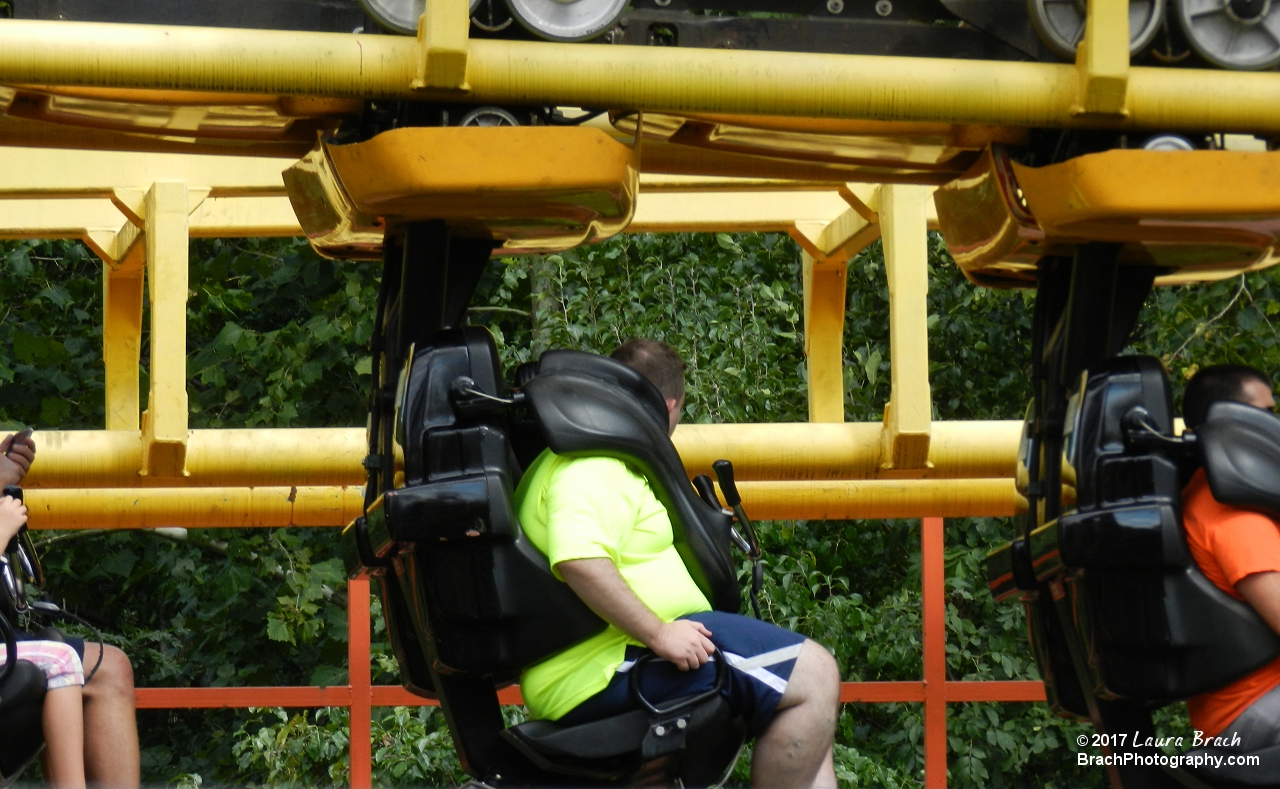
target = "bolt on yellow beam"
x: 1102, y: 59
x: 906, y: 256
x: 164, y: 424
x: 671, y: 79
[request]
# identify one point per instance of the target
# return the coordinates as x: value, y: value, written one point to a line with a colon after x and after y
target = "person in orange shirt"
x: 1239, y: 551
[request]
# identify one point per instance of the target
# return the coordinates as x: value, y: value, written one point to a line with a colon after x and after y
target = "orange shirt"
x: 1229, y: 543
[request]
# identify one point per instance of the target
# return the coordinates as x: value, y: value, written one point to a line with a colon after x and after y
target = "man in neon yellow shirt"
x: 607, y: 536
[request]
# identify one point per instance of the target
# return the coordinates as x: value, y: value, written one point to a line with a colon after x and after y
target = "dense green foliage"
x: 276, y: 338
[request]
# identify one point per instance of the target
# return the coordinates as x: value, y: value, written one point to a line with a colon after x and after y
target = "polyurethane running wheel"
x: 567, y: 20
x: 1060, y: 24
x: 1241, y: 35
x: 400, y: 16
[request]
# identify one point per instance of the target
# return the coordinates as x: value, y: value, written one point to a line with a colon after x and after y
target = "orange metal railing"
x: 361, y: 696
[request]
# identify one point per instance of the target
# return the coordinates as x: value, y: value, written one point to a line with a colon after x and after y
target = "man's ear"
x: 672, y: 404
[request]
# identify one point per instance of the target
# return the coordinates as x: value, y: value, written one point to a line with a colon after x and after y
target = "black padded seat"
x: 708, y: 734
x: 1240, y: 446
x: 470, y: 601
x: 1157, y: 629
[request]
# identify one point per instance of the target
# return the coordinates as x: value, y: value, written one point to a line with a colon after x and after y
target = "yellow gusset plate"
x: 531, y: 188
x: 1200, y: 215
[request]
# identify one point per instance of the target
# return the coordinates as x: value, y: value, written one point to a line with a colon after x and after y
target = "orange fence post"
x: 933, y: 582
x: 360, y: 679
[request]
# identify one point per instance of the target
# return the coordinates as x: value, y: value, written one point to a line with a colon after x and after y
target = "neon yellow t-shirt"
x: 598, y: 508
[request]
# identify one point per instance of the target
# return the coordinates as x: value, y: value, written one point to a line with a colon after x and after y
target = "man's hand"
x: 16, y: 456
x: 687, y: 644
x: 602, y: 587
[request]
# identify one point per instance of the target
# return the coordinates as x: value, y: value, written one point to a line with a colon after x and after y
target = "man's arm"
x: 1262, y: 591
x: 597, y: 581
x: 15, y: 459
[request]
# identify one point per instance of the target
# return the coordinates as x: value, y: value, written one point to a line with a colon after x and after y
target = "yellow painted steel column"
x: 908, y: 415
x: 164, y: 425
x: 824, y: 292
x: 122, y: 341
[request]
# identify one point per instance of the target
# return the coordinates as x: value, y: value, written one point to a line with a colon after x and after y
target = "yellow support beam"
x: 331, y: 456
x: 277, y: 507
x: 826, y: 249
x: 1102, y: 59
x: 694, y: 211
x: 122, y: 343
x: 164, y: 424
x: 43, y: 172
x: 805, y: 451
x: 908, y: 415
x: 197, y: 508
x: 215, y: 458
x: 674, y: 79
x: 852, y: 500
x: 824, y: 303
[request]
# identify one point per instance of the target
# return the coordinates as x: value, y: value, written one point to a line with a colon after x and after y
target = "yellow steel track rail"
x: 644, y: 78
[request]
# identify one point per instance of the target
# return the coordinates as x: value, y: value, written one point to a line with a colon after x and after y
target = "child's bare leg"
x: 64, y: 737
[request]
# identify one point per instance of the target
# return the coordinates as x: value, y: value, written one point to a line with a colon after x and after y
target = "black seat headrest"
x: 607, y: 369
x: 1240, y: 448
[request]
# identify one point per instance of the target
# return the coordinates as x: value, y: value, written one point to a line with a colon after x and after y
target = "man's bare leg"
x: 110, y: 726
x: 795, y: 751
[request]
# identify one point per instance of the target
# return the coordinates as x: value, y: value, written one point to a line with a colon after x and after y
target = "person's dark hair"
x: 1215, y: 384
x: 656, y: 361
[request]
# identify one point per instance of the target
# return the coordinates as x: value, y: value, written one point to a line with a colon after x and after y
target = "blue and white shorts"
x: 760, y: 655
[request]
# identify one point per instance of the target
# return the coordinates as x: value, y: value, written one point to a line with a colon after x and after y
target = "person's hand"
x: 685, y: 643
x: 12, y: 515
x: 15, y: 459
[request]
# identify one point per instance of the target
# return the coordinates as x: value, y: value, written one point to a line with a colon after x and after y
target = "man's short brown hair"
x: 657, y: 361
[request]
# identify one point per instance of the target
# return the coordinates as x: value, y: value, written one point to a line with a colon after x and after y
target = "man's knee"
x: 822, y: 668
x: 815, y: 680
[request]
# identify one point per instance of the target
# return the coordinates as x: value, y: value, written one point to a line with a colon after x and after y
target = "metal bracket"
x: 442, y: 41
